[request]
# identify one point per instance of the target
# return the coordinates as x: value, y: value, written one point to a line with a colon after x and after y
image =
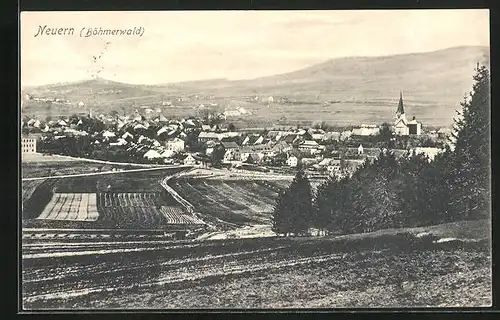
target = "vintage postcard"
x: 255, y: 159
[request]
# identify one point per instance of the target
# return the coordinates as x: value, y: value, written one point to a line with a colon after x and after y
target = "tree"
x: 218, y: 155
x: 470, y: 161
x: 301, y: 209
x: 321, y: 124
x: 385, y: 136
x: 293, y: 211
x: 325, y: 205
x: 231, y: 127
x: 281, y: 223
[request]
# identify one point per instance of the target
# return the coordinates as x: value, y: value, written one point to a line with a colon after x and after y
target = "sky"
x: 194, y: 45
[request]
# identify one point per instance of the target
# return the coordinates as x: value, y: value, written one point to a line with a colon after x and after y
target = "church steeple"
x: 401, y: 109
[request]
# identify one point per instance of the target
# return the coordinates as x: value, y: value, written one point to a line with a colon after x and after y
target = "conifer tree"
x: 281, y: 223
x: 325, y: 205
x: 293, y: 212
x: 301, y: 203
x: 469, y: 177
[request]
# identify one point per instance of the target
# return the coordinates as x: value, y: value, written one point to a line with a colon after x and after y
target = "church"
x: 403, y: 127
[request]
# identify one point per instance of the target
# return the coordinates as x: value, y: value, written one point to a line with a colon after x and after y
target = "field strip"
x: 252, y: 201
x: 103, y: 251
x: 173, y: 262
x: 105, y: 173
x: 166, y: 263
x: 90, y: 230
x: 85, y: 244
x: 48, y: 208
x: 234, y: 195
x: 205, y: 195
x: 196, y: 275
x: 57, y: 207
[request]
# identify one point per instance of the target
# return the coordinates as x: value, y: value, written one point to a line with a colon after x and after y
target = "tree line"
x: 409, y: 191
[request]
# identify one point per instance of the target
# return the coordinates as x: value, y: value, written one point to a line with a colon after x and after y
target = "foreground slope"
x: 384, y: 269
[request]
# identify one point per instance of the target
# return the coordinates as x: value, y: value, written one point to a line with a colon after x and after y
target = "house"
x: 310, y: 146
x: 245, y: 152
x: 251, y: 158
x: 259, y: 140
x: 274, y: 135
x: 108, y: 134
x: 163, y: 130
x: 280, y: 146
x: 430, y: 153
x: 290, y: 138
x: 127, y: 135
x: 140, y: 127
x: 28, y: 144
x: 292, y: 161
x: 209, y: 136
x: 167, y: 154
x: 308, y: 161
x: 366, y: 130
x: 62, y: 123
x: 230, y: 145
x: 331, y: 165
x: 229, y: 134
x: 360, y: 149
x: 332, y: 136
x: 176, y: 145
x: 189, y: 160
x: 205, y: 127
x: 318, y: 136
x: 120, y: 142
x: 414, y: 127
x: 210, y: 145
x: 232, y: 154
x: 152, y: 154
x: 334, y: 169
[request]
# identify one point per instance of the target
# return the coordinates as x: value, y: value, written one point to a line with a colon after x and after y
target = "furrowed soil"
x: 387, y: 270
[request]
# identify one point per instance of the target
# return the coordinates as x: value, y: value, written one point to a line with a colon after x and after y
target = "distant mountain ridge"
x: 437, y: 80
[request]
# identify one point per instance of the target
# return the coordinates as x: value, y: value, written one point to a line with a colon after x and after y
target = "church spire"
x: 401, y: 109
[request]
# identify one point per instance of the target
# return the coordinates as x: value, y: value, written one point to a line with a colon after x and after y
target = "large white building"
x: 176, y: 145
x: 28, y: 144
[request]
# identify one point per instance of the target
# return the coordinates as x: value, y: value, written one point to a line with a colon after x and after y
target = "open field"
x: 38, y: 165
x: 388, y: 269
x: 104, y: 201
x: 234, y: 201
x: 72, y: 207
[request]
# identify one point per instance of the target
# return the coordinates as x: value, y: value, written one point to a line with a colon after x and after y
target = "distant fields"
x: 364, y: 89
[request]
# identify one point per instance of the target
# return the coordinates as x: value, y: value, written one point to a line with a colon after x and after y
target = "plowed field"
x: 234, y: 201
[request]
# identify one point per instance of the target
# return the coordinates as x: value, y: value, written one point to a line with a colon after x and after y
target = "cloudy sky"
x: 193, y: 45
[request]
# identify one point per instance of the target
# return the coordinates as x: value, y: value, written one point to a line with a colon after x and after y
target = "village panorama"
x: 287, y: 191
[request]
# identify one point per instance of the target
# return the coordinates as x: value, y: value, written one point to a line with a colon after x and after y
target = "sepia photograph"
x: 335, y: 159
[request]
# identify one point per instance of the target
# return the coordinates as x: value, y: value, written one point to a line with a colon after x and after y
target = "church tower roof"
x: 401, y: 109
